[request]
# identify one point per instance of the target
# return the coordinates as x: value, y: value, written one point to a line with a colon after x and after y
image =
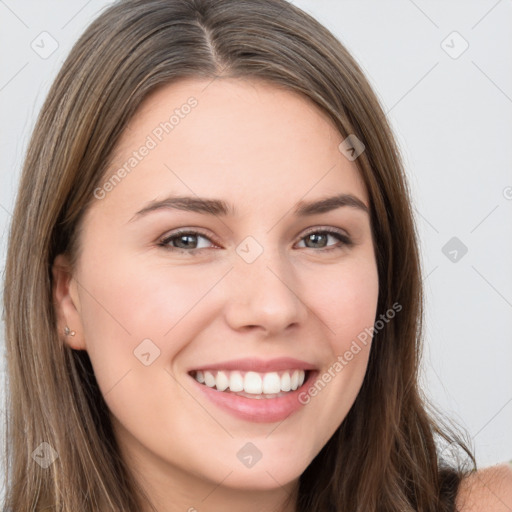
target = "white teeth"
x: 236, y: 382
x: 253, y: 383
x: 286, y: 382
x: 271, y: 383
x: 222, y: 381
x: 209, y: 379
x: 295, y: 380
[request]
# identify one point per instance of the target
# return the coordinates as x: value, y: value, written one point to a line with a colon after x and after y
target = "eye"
x: 188, y: 240
x: 319, y: 238
x: 184, y: 241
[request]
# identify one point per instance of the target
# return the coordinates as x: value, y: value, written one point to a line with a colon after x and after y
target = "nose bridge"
x: 262, y: 288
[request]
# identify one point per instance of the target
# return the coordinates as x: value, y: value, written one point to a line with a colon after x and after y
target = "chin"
x: 266, y: 478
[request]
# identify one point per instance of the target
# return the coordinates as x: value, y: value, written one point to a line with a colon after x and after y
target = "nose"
x: 264, y: 295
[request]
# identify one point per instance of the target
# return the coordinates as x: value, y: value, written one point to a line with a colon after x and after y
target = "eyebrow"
x: 219, y: 207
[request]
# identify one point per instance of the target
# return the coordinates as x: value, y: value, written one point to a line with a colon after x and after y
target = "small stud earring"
x: 68, y: 332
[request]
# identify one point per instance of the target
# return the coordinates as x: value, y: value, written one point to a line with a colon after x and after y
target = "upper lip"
x: 258, y: 365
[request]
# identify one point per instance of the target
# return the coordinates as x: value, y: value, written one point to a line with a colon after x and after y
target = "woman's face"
x: 265, y: 285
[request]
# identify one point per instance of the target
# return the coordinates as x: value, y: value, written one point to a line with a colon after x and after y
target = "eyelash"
x: 344, y: 240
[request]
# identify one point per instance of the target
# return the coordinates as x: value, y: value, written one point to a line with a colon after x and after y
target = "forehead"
x: 231, y: 138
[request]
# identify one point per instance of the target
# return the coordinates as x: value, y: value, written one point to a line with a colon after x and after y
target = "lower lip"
x: 257, y: 410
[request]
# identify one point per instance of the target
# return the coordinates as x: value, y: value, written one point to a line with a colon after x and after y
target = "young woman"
x: 212, y: 292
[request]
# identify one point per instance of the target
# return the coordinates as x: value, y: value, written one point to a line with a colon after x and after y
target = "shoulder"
x: 488, y: 489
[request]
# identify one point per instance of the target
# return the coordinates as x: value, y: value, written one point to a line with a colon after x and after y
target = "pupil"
x: 314, y: 237
x: 187, y: 237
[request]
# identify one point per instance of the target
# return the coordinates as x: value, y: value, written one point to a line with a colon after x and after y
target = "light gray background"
x: 452, y: 116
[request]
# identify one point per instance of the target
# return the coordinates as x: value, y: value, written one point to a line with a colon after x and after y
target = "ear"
x: 67, y: 303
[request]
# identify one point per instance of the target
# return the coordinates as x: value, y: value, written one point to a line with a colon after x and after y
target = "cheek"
x: 346, y: 303
x: 132, y: 309
x: 352, y: 311
x: 345, y: 298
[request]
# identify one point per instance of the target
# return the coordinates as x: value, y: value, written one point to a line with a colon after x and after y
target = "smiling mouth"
x: 252, y: 384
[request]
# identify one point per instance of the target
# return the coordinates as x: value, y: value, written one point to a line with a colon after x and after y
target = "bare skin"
x: 263, y: 150
x: 489, y: 489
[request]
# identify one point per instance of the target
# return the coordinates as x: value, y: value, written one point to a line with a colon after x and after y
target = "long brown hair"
x: 385, y: 456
